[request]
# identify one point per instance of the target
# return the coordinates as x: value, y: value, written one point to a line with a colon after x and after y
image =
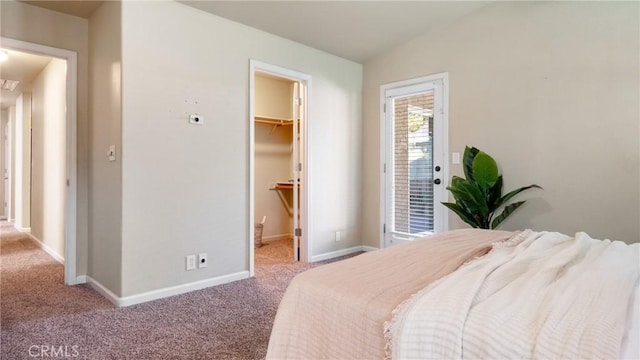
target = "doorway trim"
x: 444, y: 77
x: 71, y: 57
x: 305, y: 225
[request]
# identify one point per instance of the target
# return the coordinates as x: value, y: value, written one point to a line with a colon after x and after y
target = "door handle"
x: 437, y: 181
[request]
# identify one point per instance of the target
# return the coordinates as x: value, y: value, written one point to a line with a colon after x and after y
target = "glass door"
x: 414, y: 183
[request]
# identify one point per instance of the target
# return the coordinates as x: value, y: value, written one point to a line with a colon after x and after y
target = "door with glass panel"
x: 415, y: 160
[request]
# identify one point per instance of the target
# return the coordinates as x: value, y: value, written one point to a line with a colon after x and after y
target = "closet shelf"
x: 276, y: 122
x: 273, y: 121
x: 278, y: 187
x: 283, y: 186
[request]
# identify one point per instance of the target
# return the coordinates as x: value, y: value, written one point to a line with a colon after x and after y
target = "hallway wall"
x: 22, y: 175
x: 4, y: 118
x: 48, y: 155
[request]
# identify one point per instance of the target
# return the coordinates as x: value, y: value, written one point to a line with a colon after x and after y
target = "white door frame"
x: 444, y: 77
x: 70, y: 254
x: 305, y: 184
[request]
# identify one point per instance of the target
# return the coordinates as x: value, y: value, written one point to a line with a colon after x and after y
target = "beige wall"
x: 273, y: 156
x: 22, y: 175
x: 185, y: 187
x: 551, y: 90
x: 12, y: 166
x: 48, y: 155
x: 105, y: 109
x: 4, y: 119
x: 70, y: 33
x: 273, y: 97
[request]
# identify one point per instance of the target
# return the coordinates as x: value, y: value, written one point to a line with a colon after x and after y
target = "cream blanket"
x: 540, y: 295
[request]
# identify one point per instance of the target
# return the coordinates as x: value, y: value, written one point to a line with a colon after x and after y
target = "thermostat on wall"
x: 196, y: 119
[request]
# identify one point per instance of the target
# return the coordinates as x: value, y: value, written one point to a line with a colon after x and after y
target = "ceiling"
x: 22, y: 67
x: 80, y: 8
x: 354, y: 30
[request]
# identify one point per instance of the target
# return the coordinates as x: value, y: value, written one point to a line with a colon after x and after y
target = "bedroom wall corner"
x: 105, y: 108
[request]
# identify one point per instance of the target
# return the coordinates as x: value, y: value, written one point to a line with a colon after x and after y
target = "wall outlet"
x: 191, y: 262
x: 202, y: 260
x: 338, y: 236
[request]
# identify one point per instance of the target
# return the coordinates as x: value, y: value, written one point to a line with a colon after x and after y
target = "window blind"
x: 413, y: 164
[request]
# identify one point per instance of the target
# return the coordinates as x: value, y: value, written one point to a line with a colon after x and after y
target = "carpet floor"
x: 41, y: 317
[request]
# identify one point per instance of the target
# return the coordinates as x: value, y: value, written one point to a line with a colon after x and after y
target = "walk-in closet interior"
x: 274, y: 168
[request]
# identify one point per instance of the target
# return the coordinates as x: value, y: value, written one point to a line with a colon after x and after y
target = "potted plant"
x: 478, y: 196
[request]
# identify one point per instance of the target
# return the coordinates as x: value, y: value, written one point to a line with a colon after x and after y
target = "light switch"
x: 112, y: 153
x: 455, y: 158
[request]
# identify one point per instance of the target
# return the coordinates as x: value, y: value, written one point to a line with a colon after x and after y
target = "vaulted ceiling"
x: 354, y: 30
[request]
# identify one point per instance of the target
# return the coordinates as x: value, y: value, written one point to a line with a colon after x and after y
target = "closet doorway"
x: 278, y: 186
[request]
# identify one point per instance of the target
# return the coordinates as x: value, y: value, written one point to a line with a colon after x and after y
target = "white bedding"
x: 539, y: 295
x: 631, y: 342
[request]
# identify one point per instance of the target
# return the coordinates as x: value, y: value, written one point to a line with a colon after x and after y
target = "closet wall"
x: 273, y: 152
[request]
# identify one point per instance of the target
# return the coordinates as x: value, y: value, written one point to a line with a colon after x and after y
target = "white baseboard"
x: 369, y: 248
x: 166, y: 292
x: 97, y: 286
x: 80, y: 279
x: 338, y: 253
x: 277, y: 237
x: 57, y: 257
x: 21, y: 229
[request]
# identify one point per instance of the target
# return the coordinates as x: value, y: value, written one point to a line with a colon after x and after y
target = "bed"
x: 467, y: 294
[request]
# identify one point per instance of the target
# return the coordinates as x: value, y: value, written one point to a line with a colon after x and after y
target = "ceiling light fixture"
x: 8, y: 84
x: 4, y: 55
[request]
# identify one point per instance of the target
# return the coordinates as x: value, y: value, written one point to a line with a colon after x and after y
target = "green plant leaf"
x: 485, y: 170
x: 477, y: 196
x: 455, y: 180
x: 467, y: 162
x: 465, y: 200
x: 464, y: 215
x: 494, y: 194
x: 513, y: 193
x: 505, y: 213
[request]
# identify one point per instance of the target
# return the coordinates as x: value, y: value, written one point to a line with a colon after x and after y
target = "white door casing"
x: 414, y: 158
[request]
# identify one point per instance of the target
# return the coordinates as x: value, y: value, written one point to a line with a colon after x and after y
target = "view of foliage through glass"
x: 416, y: 121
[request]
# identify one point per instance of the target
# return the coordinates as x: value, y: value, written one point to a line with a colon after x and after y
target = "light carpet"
x: 39, y: 313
